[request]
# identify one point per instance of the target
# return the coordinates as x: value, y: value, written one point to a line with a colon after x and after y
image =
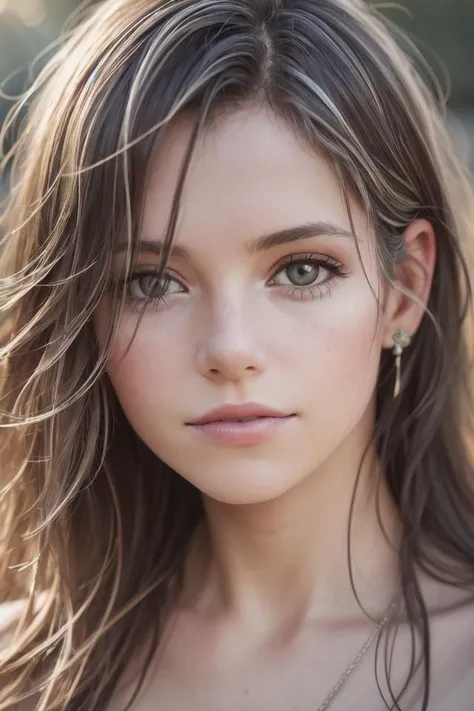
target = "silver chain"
x: 361, y: 654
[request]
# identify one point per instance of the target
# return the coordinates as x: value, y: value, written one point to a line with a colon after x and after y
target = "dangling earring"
x: 401, y: 340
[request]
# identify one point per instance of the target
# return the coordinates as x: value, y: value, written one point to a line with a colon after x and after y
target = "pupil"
x: 150, y: 285
x: 303, y: 274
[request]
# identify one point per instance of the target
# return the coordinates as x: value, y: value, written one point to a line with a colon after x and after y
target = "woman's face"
x: 267, y: 303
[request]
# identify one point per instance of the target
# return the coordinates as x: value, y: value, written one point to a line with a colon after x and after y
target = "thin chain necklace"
x: 361, y: 654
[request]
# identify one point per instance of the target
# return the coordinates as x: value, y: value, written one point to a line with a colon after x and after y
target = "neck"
x: 287, y: 560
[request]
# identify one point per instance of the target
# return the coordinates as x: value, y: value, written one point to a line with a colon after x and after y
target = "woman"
x: 235, y: 396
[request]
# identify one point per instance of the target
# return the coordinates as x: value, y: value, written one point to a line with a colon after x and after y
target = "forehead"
x: 250, y: 174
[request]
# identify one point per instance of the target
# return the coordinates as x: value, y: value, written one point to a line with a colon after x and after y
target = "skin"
x: 268, y: 618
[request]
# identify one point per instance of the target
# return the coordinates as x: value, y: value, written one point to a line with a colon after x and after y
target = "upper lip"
x: 237, y: 412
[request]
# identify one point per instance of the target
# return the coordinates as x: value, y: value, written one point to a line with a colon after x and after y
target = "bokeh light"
x: 30, y: 12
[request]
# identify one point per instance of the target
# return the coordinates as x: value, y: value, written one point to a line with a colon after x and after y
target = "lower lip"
x: 242, y: 433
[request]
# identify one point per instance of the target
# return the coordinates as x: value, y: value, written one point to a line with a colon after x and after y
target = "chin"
x: 244, y: 488
x: 242, y: 498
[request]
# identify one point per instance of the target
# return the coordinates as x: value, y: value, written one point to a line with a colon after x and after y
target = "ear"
x: 406, y: 300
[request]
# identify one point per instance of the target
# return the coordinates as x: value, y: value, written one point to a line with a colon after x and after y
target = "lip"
x: 238, y: 412
x: 222, y: 423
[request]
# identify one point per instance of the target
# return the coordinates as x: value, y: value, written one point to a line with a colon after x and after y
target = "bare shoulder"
x: 452, y: 638
x: 12, y: 611
x: 10, y: 615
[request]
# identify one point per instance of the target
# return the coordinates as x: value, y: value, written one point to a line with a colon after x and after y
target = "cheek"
x: 337, y: 356
x: 145, y: 372
x: 344, y: 332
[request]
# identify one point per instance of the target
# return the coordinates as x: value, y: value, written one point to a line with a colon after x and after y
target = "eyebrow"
x: 261, y: 244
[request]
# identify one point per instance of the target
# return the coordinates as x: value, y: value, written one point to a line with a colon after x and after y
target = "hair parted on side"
x: 101, y: 551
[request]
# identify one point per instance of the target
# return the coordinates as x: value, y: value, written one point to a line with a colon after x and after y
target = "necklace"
x: 360, y: 655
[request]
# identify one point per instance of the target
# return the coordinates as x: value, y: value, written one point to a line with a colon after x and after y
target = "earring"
x: 401, y: 340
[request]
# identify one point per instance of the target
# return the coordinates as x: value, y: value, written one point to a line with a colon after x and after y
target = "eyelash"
x: 313, y: 291
x: 302, y: 293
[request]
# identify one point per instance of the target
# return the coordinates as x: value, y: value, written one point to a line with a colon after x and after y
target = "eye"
x: 301, y: 273
x: 306, y: 271
x: 307, y: 276
x: 148, y: 285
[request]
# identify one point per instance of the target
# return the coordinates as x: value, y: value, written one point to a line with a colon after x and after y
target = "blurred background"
x: 443, y: 30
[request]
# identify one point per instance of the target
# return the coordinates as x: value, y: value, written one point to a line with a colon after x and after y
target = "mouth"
x: 241, y: 419
x: 249, y: 412
x: 244, y: 425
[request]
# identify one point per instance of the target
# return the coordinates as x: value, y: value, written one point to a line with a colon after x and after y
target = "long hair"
x: 99, y: 553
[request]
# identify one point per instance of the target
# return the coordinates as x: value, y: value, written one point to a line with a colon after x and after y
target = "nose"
x: 231, y: 350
